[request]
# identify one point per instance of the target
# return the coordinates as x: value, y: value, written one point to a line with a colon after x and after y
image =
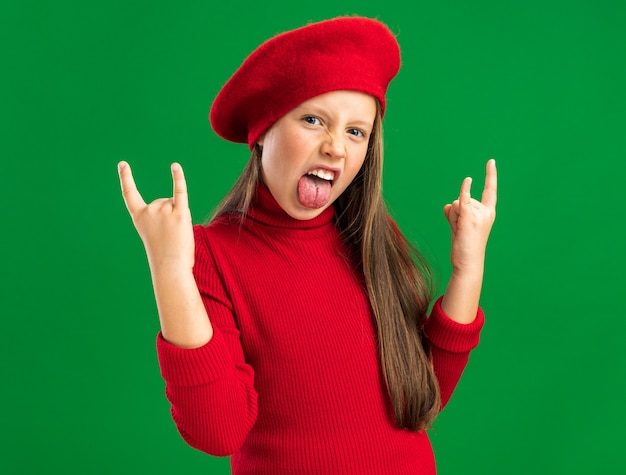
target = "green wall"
x: 539, y: 85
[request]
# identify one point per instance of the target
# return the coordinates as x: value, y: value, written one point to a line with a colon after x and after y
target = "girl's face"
x: 311, y: 154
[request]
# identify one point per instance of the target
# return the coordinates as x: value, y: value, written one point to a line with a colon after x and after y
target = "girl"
x: 294, y: 334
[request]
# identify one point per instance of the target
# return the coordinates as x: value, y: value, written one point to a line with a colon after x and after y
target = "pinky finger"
x: 131, y: 195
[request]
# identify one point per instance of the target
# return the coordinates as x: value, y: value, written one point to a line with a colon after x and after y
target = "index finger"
x: 181, y: 199
x: 490, y: 192
x: 131, y: 195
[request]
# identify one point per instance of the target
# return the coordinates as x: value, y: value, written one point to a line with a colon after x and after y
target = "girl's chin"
x: 303, y: 215
x: 302, y: 212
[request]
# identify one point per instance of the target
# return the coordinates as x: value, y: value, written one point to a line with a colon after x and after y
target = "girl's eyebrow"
x: 363, y: 123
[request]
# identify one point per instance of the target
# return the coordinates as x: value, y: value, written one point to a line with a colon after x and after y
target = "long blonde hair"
x: 397, y: 278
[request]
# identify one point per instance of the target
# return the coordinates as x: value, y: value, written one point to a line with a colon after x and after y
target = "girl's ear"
x: 259, y: 141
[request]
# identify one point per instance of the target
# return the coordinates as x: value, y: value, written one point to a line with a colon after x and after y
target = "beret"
x: 345, y: 53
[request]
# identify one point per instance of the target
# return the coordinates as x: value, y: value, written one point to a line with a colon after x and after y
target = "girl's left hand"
x: 471, y: 221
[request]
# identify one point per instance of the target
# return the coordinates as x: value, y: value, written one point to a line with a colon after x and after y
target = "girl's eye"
x: 310, y: 119
x: 356, y: 132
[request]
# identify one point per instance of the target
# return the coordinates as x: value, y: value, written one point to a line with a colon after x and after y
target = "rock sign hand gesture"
x: 470, y: 221
x: 166, y: 230
x: 164, y: 225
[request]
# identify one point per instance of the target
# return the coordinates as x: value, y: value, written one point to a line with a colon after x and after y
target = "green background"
x: 539, y: 85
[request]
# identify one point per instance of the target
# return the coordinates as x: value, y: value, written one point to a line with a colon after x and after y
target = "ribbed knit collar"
x: 266, y: 210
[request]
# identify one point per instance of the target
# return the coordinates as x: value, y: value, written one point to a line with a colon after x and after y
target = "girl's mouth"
x: 327, y: 175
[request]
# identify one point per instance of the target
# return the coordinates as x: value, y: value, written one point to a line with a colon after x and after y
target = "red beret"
x: 346, y: 53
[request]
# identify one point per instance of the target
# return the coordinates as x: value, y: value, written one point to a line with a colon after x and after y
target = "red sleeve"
x: 451, y: 343
x: 211, y: 388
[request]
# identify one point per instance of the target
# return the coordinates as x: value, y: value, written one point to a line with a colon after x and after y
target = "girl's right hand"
x: 167, y: 234
x: 165, y: 225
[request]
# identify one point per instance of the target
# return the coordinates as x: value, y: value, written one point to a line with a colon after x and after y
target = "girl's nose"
x: 333, y: 146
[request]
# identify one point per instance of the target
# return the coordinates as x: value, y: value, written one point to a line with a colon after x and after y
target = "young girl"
x: 294, y: 330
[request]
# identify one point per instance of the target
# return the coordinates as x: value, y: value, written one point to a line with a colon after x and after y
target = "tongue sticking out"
x: 313, y: 192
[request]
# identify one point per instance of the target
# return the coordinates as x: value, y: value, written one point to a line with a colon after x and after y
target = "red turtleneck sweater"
x: 290, y: 383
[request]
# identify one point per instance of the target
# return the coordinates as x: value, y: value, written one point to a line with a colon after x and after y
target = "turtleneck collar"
x: 266, y: 210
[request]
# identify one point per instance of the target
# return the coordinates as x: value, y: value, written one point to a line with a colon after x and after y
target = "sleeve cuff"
x: 452, y: 336
x: 196, y: 366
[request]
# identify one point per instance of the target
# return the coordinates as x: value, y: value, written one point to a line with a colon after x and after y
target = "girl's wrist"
x: 470, y: 272
x: 171, y: 269
x: 462, y: 295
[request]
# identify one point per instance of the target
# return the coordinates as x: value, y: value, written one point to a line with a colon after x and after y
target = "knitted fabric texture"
x: 346, y: 53
x: 291, y: 383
